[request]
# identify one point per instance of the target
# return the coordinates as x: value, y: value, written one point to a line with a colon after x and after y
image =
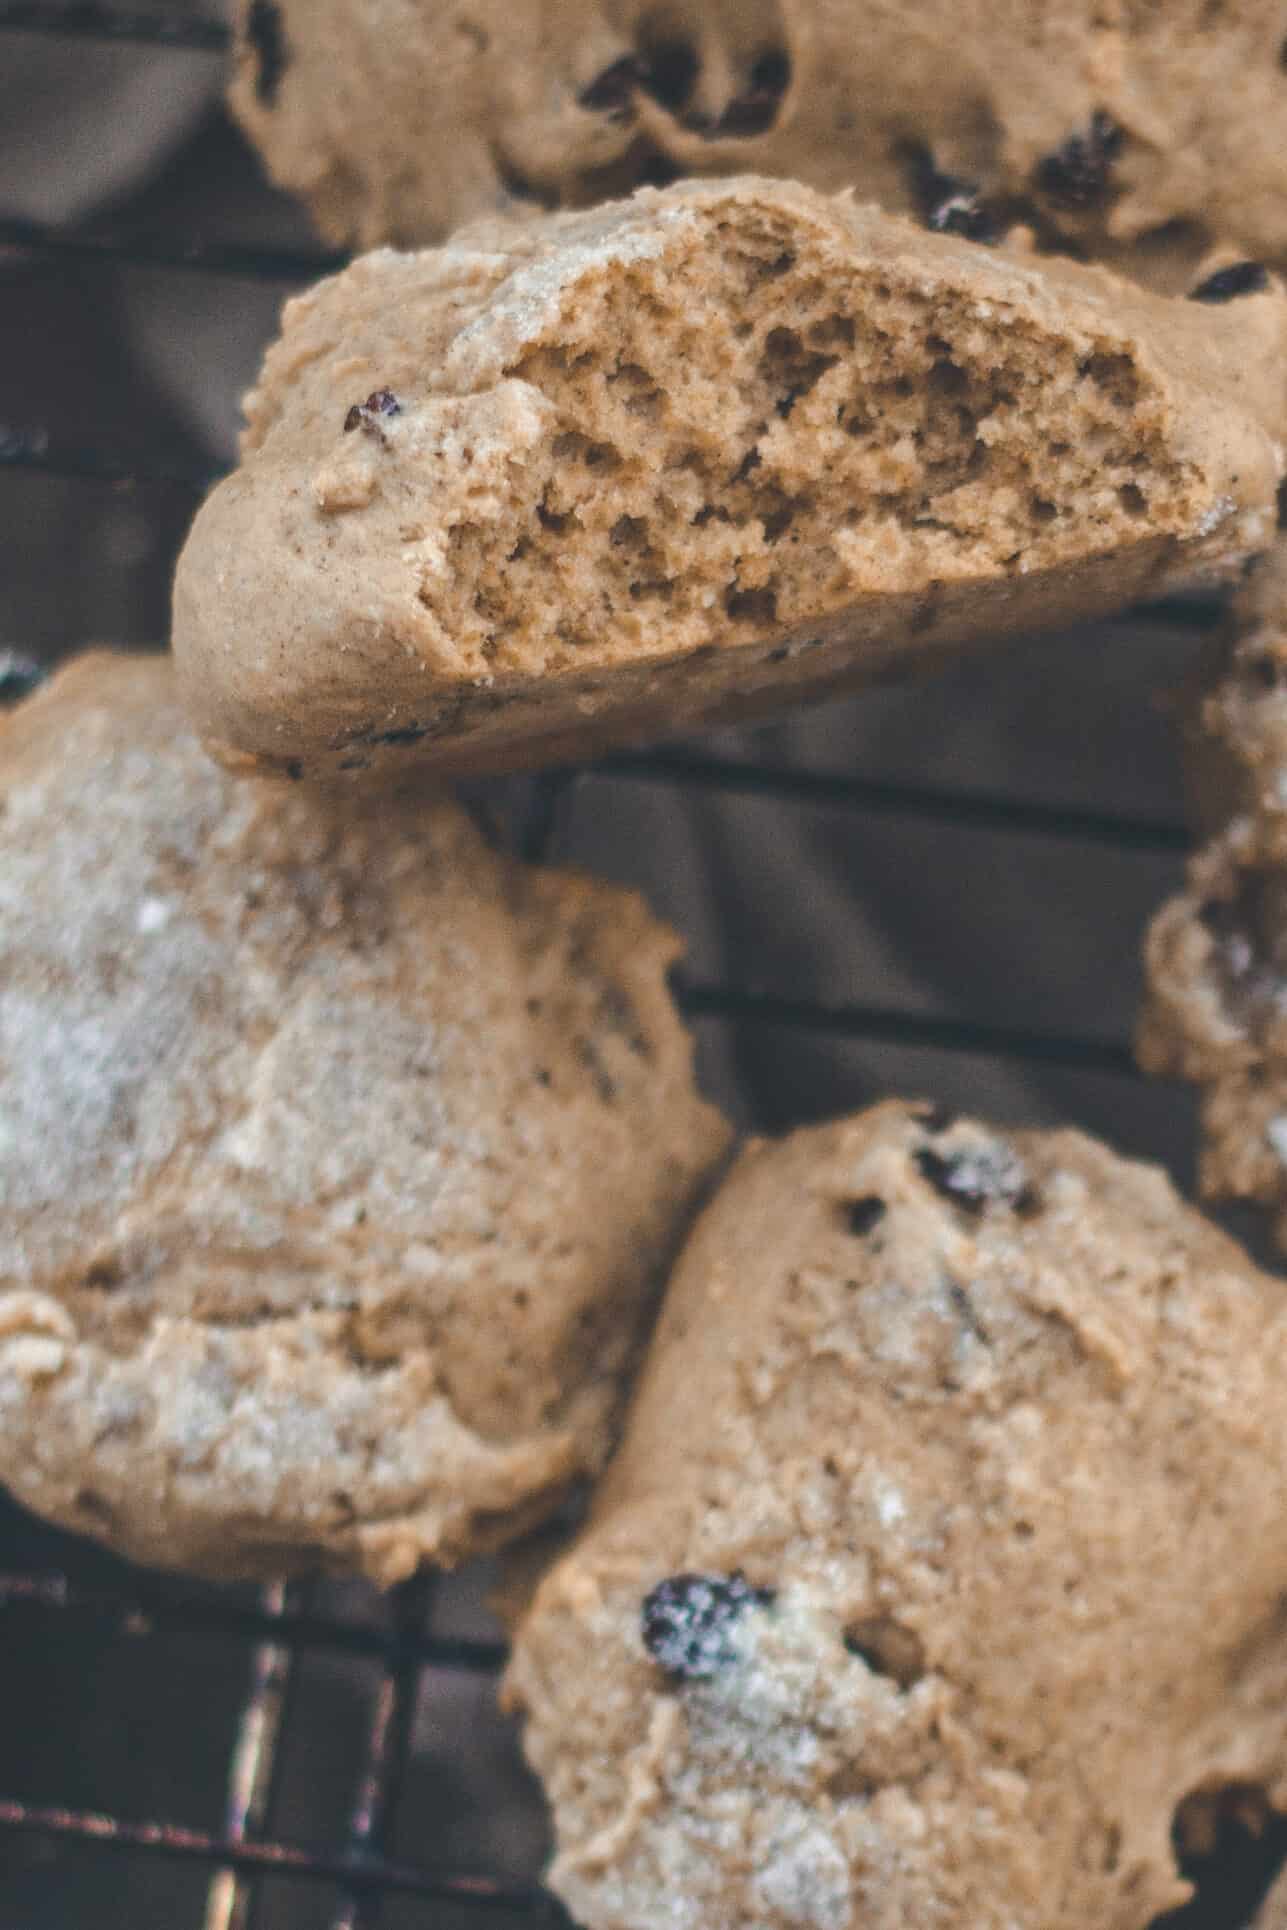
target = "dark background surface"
x: 977, y: 878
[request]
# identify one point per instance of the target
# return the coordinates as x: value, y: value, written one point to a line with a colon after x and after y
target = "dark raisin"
x: 1229, y: 1843
x: 977, y: 1176
x: 268, y: 38
x: 962, y: 212
x: 670, y: 72
x: 755, y: 111
x: 610, y: 91
x: 1076, y: 175
x: 688, y: 1622
x: 952, y: 206
x: 1240, y: 278
x: 1244, y: 960
x: 1247, y: 979
x: 771, y: 73
x: 402, y: 734
x: 366, y: 415
x: 19, y: 676
x: 1221, y: 918
x: 746, y: 114
x: 865, y: 1213
x: 294, y: 769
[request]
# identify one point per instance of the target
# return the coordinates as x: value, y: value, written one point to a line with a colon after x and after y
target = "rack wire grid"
x: 126, y: 1698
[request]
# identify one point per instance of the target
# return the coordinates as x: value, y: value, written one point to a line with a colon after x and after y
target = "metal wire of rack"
x: 277, y: 1628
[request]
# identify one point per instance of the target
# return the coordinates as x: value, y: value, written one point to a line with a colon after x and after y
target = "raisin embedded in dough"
x: 949, y: 205
x: 865, y: 1214
x: 1079, y: 173
x: 340, y: 1156
x: 1215, y: 1009
x: 978, y: 1174
x: 19, y: 675
x: 610, y: 92
x: 933, y: 1573
x: 689, y: 1622
x: 1132, y: 127
x: 1227, y: 284
x: 366, y: 415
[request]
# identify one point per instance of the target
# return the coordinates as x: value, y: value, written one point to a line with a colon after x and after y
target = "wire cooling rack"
x: 66, y: 1601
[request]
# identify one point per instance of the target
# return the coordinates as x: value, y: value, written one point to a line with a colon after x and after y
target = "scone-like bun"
x: 339, y: 1155
x: 1215, y: 957
x: 944, y: 1553
x: 691, y: 454
x: 1215, y: 1009
x: 399, y: 121
x: 1237, y: 727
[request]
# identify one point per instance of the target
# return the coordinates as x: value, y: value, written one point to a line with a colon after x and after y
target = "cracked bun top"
x: 942, y: 1557
x: 341, y: 1157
